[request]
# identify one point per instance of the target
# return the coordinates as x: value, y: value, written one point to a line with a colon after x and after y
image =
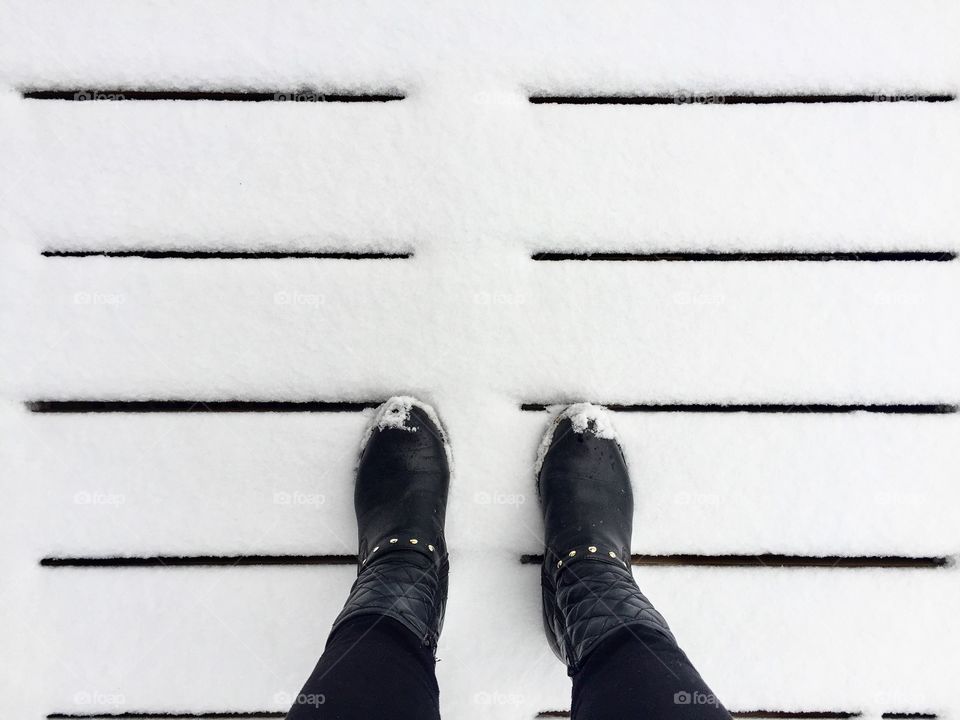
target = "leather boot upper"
x: 587, y: 502
x: 400, y: 500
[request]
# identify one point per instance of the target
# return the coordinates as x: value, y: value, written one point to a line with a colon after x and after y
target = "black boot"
x: 401, y: 500
x: 588, y: 589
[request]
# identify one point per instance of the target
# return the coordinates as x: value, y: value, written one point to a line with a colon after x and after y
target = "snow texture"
x: 471, y: 178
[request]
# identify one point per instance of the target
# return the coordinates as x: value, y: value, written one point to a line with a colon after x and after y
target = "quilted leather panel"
x: 405, y: 586
x: 594, y: 598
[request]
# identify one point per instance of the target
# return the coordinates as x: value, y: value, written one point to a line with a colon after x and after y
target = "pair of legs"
x: 619, y: 651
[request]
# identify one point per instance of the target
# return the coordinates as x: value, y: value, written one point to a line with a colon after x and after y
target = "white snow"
x: 472, y: 178
x: 393, y: 414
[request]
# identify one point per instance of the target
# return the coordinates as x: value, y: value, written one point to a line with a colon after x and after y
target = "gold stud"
x: 572, y: 553
x: 559, y: 563
x: 431, y: 547
x: 592, y: 548
x: 413, y: 541
x: 613, y: 554
x: 393, y: 540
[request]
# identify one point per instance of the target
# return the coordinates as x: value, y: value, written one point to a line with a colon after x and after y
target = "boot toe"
x: 581, y: 442
x: 408, y: 428
x: 584, y: 486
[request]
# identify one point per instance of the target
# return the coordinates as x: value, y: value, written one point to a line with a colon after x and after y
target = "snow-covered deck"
x: 470, y: 179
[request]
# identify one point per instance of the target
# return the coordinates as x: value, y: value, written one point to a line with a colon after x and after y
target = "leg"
x: 618, y: 649
x: 379, y: 659
x: 638, y: 673
x: 372, y: 667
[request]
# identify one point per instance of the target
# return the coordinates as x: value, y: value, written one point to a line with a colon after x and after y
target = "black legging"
x: 373, y: 667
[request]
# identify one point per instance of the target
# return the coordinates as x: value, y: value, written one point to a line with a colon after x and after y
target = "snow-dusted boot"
x: 587, y: 502
x: 400, y: 501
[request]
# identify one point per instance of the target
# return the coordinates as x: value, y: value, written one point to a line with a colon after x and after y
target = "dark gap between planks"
x: 797, y: 714
x: 226, y: 715
x: 879, y: 256
x: 230, y: 254
x: 255, y: 714
x: 713, y: 97
x: 786, y: 714
x: 212, y: 406
x: 793, y: 714
x: 773, y: 560
x: 198, y: 561
x: 768, y: 560
x: 198, y: 406
x: 225, y: 95
x: 895, y: 408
